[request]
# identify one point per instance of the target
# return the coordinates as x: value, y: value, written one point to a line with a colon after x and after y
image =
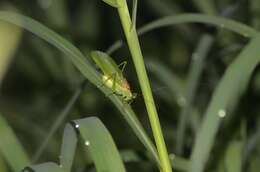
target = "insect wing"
x: 106, y: 64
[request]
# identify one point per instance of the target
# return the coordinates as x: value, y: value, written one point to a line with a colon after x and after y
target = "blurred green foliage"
x: 40, y: 82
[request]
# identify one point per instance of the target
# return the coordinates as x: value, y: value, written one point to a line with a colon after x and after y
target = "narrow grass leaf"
x: 218, y: 21
x: 197, y: 66
x: 224, y: 99
x: 44, y: 167
x: 85, y: 68
x: 58, y: 122
x: 252, y: 142
x: 97, y: 140
x: 233, y: 158
x: 179, y: 163
x: 221, y: 22
x: 68, y: 148
x: 10, y: 148
x: 171, y: 81
x: 175, y: 87
x: 100, y: 144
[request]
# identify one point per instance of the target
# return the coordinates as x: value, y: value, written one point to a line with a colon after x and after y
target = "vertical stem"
x: 134, y: 46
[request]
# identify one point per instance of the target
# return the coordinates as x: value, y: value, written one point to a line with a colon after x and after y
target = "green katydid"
x: 112, y: 76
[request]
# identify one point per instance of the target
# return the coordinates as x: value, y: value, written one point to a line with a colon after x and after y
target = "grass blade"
x: 98, y: 141
x: 100, y: 144
x: 45, y: 167
x: 175, y: 88
x: 169, y: 79
x: 137, y: 57
x: 222, y: 22
x: 179, y: 163
x: 11, y: 148
x: 79, y: 60
x: 68, y: 148
x: 59, y: 120
x: 224, y: 99
x: 194, y: 75
x: 233, y: 158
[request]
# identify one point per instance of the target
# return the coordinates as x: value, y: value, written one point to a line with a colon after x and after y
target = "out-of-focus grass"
x: 223, y: 102
x: 221, y: 22
x: 11, y: 148
x: 94, y: 134
x: 84, y: 23
x: 194, y: 76
x: 10, y: 37
x: 3, y: 166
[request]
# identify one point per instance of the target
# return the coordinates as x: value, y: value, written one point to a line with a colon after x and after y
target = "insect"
x: 113, y: 76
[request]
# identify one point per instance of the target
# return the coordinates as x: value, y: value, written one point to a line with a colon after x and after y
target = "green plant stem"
x: 134, y: 46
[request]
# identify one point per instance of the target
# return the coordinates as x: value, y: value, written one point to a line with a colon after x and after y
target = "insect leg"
x: 123, y: 65
x: 130, y: 101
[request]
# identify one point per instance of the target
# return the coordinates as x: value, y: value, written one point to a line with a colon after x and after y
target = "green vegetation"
x: 197, y: 85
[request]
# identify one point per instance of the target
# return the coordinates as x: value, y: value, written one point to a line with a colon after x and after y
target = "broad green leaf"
x: 101, y: 146
x: 87, y: 70
x: 97, y: 140
x: 224, y: 99
x: 10, y: 148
